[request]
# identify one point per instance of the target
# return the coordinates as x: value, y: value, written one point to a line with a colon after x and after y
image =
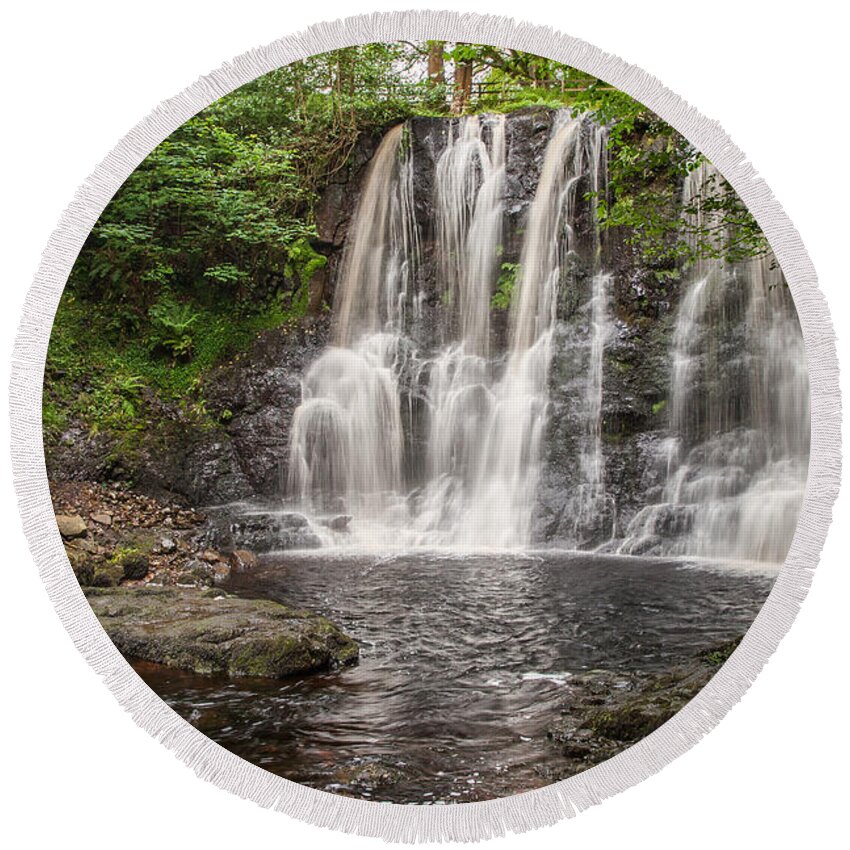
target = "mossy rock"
x: 630, y: 722
x: 83, y: 564
x: 107, y: 574
x: 213, y: 633
x: 134, y: 564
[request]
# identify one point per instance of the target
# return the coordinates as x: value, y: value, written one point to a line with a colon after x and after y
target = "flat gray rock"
x: 208, y: 632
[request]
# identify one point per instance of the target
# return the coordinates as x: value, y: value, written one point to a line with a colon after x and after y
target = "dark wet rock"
x: 107, y: 574
x: 211, y: 633
x: 71, y: 526
x: 134, y: 564
x: 259, y: 390
x: 340, y: 196
x: 262, y: 532
x: 337, y: 523
x: 527, y: 132
x: 607, y: 712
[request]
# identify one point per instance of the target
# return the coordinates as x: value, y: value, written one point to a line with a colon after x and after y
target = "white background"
x: 77, y: 76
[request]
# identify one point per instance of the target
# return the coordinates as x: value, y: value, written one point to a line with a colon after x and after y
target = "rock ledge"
x: 208, y: 632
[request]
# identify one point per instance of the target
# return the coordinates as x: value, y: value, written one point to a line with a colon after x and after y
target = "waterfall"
x: 737, y: 455
x: 485, y: 409
x: 592, y: 501
x: 426, y: 419
x: 470, y: 187
x: 589, y: 510
x: 373, y: 289
x: 346, y: 446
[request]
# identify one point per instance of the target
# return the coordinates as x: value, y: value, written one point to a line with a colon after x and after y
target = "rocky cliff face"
x: 239, y: 449
x: 635, y: 379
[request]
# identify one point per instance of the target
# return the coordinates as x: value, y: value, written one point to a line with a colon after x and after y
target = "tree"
x: 436, y: 63
x: 464, y: 56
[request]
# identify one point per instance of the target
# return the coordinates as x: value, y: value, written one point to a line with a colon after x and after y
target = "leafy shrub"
x: 171, y: 327
x: 504, y: 293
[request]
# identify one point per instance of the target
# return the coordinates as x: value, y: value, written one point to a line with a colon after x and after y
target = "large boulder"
x: 209, y: 633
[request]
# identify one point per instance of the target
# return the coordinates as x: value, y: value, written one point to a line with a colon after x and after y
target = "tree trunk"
x: 462, y: 87
x: 436, y: 65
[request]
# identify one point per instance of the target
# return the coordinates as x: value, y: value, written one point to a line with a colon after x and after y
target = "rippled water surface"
x: 465, y: 662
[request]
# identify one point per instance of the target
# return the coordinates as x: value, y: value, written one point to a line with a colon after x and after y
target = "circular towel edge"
x: 465, y: 821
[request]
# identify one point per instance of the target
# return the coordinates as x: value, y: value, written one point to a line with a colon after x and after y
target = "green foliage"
x: 171, y: 326
x: 648, y: 162
x: 303, y: 261
x: 206, y: 207
x: 115, y: 402
x: 212, y: 239
x: 53, y: 419
x: 117, y: 383
x: 225, y: 274
x: 122, y: 553
x: 505, y: 286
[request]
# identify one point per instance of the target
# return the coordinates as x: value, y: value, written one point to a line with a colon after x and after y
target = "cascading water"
x: 346, y: 447
x: 436, y: 437
x: 486, y: 410
x: 494, y: 504
x: 737, y: 454
x: 470, y: 188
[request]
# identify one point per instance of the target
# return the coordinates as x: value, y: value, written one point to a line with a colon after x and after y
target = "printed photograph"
x: 426, y: 422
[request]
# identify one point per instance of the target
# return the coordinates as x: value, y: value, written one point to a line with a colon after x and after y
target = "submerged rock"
x: 369, y: 775
x: 208, y: 633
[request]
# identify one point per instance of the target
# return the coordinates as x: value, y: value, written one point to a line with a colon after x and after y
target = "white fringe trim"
x: 466, y: 821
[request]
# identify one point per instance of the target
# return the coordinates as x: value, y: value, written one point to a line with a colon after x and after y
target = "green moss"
x: 131, y: 560
x: 629, y: 722
x: 113, y: 381
x: 719, y: 655
x: 83, y: 564
x: 107, y: 575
